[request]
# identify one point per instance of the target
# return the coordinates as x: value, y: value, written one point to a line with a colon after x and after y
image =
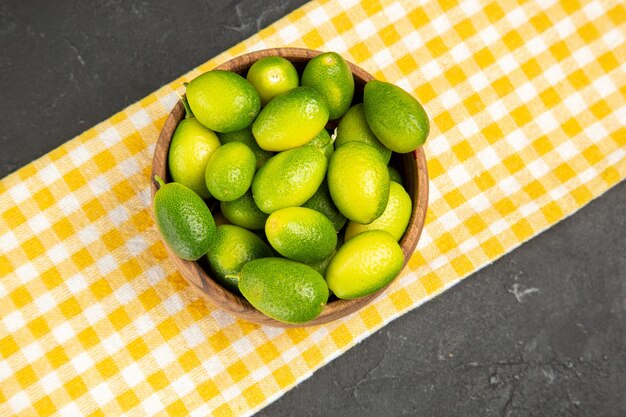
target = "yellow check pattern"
x: 527, y: 101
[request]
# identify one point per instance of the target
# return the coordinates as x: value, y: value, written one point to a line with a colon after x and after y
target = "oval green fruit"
x: 271, y: 76
x: 397, y: 119
x: 289, y: 179
x: 394, y: 219
x: 323, y: 143
x: 244, y: 212
x: 354, y: 128
x: 232, y: 248
x: 230, y: 170
x: 245, y: 136
x: 290, y: 119
x: 364, y: 264
x: 284, y: 290
x: 301, y: 234
x: 358, y: 181
x: 191, y: 148
x: 394, y: 175
x: 184, y: 220
x: 329, y: 74
x: 322, y: 202
x: 223, y: 101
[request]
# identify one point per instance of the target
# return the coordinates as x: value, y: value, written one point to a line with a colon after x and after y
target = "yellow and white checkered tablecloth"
x: 528, y: 108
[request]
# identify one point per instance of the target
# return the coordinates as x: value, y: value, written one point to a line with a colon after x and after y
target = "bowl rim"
x: 237, y: 305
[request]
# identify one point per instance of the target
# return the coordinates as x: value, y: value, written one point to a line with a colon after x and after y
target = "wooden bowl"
x: 412, y: 167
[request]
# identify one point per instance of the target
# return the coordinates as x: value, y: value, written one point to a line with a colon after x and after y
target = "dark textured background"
x: 542, y: 332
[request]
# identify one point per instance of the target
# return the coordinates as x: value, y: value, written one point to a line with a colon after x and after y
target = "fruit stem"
x: 160, y: 182
x: 188, y: 112
x: 333, y: 137
x: 234, y: 277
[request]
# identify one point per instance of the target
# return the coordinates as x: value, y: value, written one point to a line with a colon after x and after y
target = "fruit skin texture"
x: 322, y: 202
x: 397, y: 119
x: 358, y: 181
x: 223, y: 101
x: 354, y: 128
x: 289, y: 179
x: 329, y: 74
x: 271, y: 76
x: 301, y: 234
x: 191, y: 148
x: 284, y: 290
x: 230, y: 170
x: 233, y: 247
x: 394, y: 175
x: 184, y: 220
x: 364, y: 264
x: 323, y: 143
x: 290, y: 119
x: 245, y: 136
x: 394, y: 219
x: 244, y: 212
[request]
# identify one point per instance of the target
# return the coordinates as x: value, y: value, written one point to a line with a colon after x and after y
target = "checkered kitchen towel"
x: 527, y: 103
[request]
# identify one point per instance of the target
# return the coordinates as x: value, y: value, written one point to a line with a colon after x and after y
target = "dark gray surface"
x: 541, y: 332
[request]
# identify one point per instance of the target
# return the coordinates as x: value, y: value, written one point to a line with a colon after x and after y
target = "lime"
x: 397, y: 119
x: 358, y: 181
x: 230, y: 170
x: 184, y: 220
x: 223, y: 101
x: 323, y: 143
x: 191, y: 148
x: 301, y: 234
x: 284, y: 290
x: 232, y: 248
x: 271, y: 76
x: 244, y: 212
x: 290, y: 119
x: 329, y: 74
x: 289, y: 178
x: 321, y: 201
x: 354, y: 128
x: 245, y: 136
x: 394, y: 175
x: 364, y: 264
x: 394, y: 219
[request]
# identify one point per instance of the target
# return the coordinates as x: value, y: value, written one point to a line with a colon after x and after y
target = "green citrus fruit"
x: 244, y: 212
x: 329, y: 74
x: 394, y: 219
x: 284, y: 290
x: 323, y: 143
x: 232, y: 248
x: 223, y: 101
x: 184, y: 220
x: 230, y: 170
x: 354, y: 128
x: 358, y: 181
x: 364, y: 264
x: 271, y: 76
x: 301, y: 234
x: 394, y: 175
x: 191, y: 148
x: 321, y: 201
x: 290, y: 119
x: 397, y: 119
x: 245, y: 136
x: 289, y: 179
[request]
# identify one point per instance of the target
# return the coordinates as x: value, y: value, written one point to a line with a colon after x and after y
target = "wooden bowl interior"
x: 412, y: 167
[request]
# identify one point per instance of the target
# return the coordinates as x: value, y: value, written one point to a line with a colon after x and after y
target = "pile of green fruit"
x: 299, y: 211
